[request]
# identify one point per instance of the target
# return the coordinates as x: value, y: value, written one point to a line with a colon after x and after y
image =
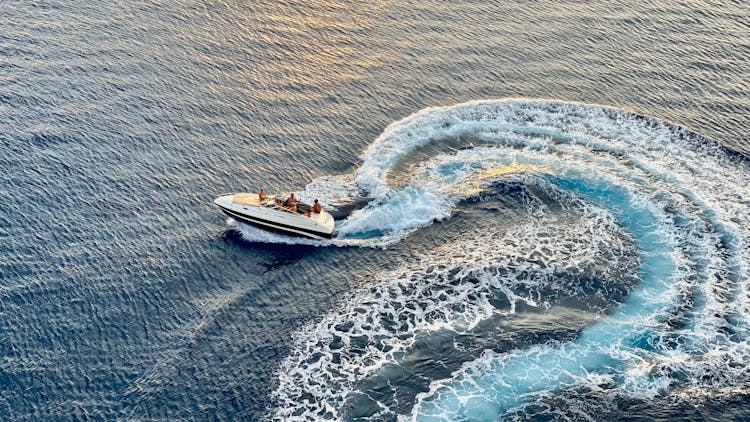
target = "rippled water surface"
x: 551, y: 210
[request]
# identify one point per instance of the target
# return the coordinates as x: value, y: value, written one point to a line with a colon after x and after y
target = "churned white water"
x: 676, y: 201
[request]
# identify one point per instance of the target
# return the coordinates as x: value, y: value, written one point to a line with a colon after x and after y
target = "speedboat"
x: 271, y: 214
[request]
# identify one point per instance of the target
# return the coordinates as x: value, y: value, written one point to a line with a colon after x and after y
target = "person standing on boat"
x: 262, y: 194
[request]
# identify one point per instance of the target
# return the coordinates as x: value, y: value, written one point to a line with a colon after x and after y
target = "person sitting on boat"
x: 316, y: 207
x: 262, y: 194
x: 291, y: 201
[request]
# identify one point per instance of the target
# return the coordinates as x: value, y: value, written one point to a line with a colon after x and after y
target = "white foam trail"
x: 332, y: 191
x: 683, y: 198
x: 453, y: 288
x: 487, y: 388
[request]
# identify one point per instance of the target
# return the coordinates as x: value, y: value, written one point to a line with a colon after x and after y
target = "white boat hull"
x: 247, y: 208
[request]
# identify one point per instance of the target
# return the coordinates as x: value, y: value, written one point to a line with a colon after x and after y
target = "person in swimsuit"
x: 316, y: 207
x: 291, y: 203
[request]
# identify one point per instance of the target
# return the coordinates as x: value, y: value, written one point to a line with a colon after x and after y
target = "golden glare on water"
x: 514, y: 167
x: 315, y: 42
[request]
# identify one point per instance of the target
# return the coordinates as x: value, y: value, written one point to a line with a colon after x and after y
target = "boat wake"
x: 608, y: 261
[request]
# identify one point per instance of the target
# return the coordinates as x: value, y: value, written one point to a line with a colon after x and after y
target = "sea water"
x: 542, y: 210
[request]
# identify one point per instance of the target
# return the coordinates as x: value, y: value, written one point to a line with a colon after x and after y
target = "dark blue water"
x: 517, y: 259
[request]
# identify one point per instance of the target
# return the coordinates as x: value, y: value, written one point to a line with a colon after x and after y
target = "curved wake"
x: 619, y: 241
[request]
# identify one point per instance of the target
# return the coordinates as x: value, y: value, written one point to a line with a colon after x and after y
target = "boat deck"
x: 246, y: 199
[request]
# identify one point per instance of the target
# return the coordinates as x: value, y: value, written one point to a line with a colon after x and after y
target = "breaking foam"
x: 681, y: 334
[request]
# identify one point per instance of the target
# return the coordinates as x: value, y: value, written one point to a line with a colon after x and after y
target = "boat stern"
x: 326, y: 220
